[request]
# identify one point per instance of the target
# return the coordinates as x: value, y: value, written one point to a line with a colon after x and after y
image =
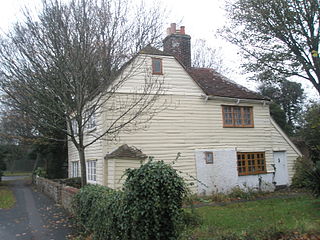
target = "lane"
x: 34, y: 217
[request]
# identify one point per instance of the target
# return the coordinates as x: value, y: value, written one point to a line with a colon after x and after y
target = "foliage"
x: 314, y: 179
x: 94, y: 210
x: 302, y: 168
x: 258, y: 219
x: 149, y: 207
x: 310, y: 132
x: 25, y: 150
x: 289, y: 96
x: 160, y: 192
x: 3, y: 167
x: 239, y: 193
x: 278, y: 38
x: 40, y: 172
x: 7, y: 199
x: 59, y: 69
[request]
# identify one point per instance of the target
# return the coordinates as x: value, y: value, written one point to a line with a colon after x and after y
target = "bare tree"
x: 68, y: 64
x: 204, y: 56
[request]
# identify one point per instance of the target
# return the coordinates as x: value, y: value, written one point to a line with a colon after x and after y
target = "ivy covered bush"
x: 148, y: 208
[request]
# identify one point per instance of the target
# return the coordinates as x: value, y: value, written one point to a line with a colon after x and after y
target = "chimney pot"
x: 168, y: 31
x: 178, y: 44
x: 173, y: 27
x: 182, y: 30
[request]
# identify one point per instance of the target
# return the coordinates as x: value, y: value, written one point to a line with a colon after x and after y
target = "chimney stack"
x: 178, y: 43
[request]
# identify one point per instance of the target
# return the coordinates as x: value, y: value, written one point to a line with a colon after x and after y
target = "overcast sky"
x: 201, y: 18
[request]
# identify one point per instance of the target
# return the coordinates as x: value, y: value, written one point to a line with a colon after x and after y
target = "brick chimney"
x: 178, y: 44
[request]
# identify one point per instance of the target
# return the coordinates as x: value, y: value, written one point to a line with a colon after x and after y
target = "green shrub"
x: 303, y: 167
x: 87, y: 205
x: 148, y: 208
x: 154, y: 195
x: 307, y: 175
x: 40, y: 172
x: 313, y: 177
x: 239, y: 193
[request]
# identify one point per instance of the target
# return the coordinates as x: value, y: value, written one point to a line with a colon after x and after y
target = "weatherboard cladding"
x: 211, y: 82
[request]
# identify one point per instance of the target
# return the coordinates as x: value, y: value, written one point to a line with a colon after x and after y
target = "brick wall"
x: 60, y: 193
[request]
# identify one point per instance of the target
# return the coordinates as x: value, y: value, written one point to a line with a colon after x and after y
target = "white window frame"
x: 91, y: 120
x: 74, y: 126
x: 75, y: 169
x: 92, y: 171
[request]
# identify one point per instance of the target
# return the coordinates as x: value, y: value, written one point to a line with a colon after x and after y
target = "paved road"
x: 34, y: 217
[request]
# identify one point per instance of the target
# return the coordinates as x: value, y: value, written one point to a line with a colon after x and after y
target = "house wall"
x: 192, y: 123
x: 92, y: 152
x: 187, y: 123
x: 116, y: 169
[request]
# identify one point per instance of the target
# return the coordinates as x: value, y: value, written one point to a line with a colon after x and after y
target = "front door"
x: 281, y: 169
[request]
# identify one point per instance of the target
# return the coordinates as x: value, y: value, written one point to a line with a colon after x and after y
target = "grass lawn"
x: 17, y: 174
x: 301, y: 213
x: 7, y: 199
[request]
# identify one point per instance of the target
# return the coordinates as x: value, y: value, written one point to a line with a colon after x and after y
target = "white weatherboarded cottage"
x: 223, y: 131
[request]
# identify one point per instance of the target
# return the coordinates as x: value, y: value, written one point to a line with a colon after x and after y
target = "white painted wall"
x: 221, y: 176
x: 252, y: 182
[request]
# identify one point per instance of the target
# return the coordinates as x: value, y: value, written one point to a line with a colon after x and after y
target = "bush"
x: 314, y: 179
x: 2, y: 168
x: 307, y: 175
x: 154, y: 194
x: 302, y: 169
x: 97, y: 211
x: 148, y: 208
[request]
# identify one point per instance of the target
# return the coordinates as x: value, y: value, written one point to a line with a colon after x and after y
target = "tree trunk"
x: 83, y: 166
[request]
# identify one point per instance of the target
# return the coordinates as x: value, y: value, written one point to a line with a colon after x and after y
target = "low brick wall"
x: 60, y: 193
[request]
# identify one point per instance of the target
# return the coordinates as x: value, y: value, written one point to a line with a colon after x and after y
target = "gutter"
x: 235, y: 100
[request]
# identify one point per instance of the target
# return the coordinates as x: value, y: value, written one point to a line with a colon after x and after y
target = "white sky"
x: 200, y: 17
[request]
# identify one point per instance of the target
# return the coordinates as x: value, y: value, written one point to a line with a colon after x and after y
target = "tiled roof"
x: 214, y: 84
x: 153, y: 51
x: 124, y: 151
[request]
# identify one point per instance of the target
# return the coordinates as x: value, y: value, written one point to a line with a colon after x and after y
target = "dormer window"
x: 157, y: 66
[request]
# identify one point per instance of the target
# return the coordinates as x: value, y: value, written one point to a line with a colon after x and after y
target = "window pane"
x: 227, y: 115
x: 251, y: 163
x: 157, y: 66
x: 237, y: 115
x: 247, y: 115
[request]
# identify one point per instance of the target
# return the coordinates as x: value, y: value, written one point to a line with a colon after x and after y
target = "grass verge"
x: 257, y: 219
x: 17, y: 174
x: 7, y: 199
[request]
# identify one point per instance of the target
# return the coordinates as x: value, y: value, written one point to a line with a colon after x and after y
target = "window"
x: 209, y: 157
x: 75, y: 169
x: 92, y: 170
x: 74, y: 125
x: 251, y: 163
x: 91, y: 120
x: 237, y: 116
x: 157, y: 66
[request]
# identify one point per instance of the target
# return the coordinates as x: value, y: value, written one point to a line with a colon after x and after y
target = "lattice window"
x: 251, y: 163
x: 237, y: 116
x: 92, y: 170
x: 75, y: 169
